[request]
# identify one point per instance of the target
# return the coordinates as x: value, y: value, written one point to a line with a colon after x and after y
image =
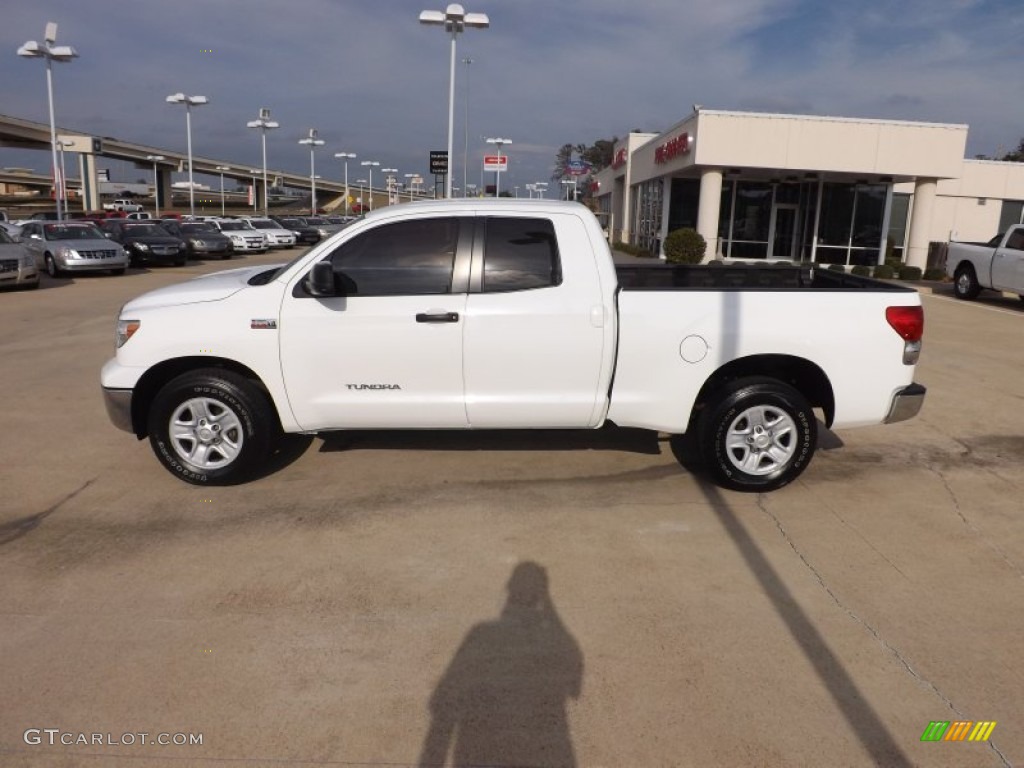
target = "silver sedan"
x: 17, y: 264
x: 73, y: 246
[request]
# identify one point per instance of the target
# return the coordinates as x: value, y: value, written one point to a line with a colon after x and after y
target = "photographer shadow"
x: 502, y: 700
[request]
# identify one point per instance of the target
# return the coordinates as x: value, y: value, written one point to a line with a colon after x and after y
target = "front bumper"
x: 119, y: 407
x: 906, y: 403
x: 19, y: 275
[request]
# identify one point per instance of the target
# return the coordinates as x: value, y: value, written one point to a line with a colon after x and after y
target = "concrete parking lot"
x: 517, y: 599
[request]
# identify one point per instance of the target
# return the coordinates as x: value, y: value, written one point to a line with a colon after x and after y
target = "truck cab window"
x: 407, y: 258
x: 1016, y: 240
x: 520, y: 254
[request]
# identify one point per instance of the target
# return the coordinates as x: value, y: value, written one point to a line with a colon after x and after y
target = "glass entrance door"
x: 783, y: 231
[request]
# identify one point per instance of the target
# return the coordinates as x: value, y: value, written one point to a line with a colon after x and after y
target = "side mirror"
x: 321, y: 280
x: 108, y: 235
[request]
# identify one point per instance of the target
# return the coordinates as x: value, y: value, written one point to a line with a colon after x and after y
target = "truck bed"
x: 760, y: 277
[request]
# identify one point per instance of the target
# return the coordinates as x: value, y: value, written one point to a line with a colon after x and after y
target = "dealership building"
x: 830, y: 190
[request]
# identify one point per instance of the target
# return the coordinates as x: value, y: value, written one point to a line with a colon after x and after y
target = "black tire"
x: 226, y: 256
x: 965, y: 282
x: 51, y: 266
x: 118, y: 271
x: 200, y: 401
x: 743, y: 455
x: 180, y: 263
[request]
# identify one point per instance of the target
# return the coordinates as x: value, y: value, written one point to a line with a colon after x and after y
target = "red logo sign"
x: 673, y: 148
x: 620, y: 159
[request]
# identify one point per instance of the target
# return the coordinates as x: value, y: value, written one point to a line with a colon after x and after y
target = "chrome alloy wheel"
x: 761, y: 440
x: 206, y: 433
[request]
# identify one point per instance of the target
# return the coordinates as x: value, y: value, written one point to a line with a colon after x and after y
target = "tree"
x: 1017, y: 155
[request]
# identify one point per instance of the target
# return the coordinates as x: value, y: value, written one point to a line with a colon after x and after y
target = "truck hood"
x: 213, y: 287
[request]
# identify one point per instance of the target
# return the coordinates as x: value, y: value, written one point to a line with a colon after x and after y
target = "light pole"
x: 465, y: 147
x: 497, y: 174
x: 391, y: 181
x: 369, y: 164
x: 63, y: 174
x: 264, y: 123
x: 47, y: 50
x: 189, y: 102
x: 222, y: 168
x: 362, y: 207
x: 454, y: 19
x: 154, y: 159
x: 346, y: 156
x: 410, y: 185
x: 313, y: 142
x: 254, y: 172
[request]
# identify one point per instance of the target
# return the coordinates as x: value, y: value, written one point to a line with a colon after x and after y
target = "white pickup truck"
x: 122, y: 204
x: 509, y: 314
x: 997, y: 264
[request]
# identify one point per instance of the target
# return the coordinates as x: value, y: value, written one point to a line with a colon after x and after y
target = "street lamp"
x: 410, y: 185
x: 370, y: 164
x: 189, y: 102
x: 63, y: 174
x: 361, y: 182
x: 264, y: 123
x: 391, y: 181
x: 47, y: 50
x: 465, y: 146
x: 497, y: 174
x: 222, y: 168
x: 254, y: 172
x: 313, y: 142
x: 346, y: 156
x: 454, y: 19
x: 154, y: 159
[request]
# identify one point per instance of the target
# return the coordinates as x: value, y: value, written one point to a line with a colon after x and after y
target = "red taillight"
x: 908, y: 322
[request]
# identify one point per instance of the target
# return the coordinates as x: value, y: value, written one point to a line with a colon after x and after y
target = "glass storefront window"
x: 647, y: 214
x: 1012, y: 213
x: 898, y: 224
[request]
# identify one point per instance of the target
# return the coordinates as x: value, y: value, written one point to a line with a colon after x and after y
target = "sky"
x: 374, y: 81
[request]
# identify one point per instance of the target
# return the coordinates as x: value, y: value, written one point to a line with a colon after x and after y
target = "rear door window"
x: 520, y: 254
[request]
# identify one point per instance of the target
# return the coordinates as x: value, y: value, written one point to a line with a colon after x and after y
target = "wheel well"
x: 964, y: 264
x: 804, y: 376
x: 155, y: 378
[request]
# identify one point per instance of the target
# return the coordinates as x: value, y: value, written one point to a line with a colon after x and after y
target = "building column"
x: 90, y: 182
x: 921, y: 222
x: 709, y: 209
x: 163, y: 189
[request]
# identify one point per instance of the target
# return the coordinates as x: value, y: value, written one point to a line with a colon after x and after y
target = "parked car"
x: 72, y: 246
x: 304, y: 234
x: 146, y: 242
x: 276, y: 235
x: 139, y: 216
x: 322, y: 225
x: 201, y: 238
x: 122, y: 204
x: 17, y: 263
x: 244, y: 237
x: 101, y: 215
x: 997, y: 264
x: 510, y: 314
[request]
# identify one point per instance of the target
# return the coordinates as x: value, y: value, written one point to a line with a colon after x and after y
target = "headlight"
x: 125, y: 330
x: 237, y: 239
x: 69, y: 253
x: 196, y: 243
x: 140, y: 247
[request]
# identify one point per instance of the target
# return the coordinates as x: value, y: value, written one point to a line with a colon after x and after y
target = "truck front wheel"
x: 758, y: 436
x: 211, y: 427
x: 965, y: 282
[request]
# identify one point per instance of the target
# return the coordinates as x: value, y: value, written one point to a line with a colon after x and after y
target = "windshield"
x: 4, y: 237
x: 263, y: 224
x: 145, y: 230
x: 293, y: 223
x: 72, y: 232
x: 234, y: 226
x: 200, y: 228
x: 315, y: 221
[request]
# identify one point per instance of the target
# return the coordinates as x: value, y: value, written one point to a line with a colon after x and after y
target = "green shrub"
x: 861, y: 270
x: 836, y: 268
x: 909, y: 273
x: 935, y: 274
x: 632, y: 250
x: 684, y: 246
x: 884, y: 272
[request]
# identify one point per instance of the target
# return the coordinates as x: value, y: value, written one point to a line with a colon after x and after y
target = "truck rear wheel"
x: 965, y: 282
x: 211, y: 427
x: 758, y: 436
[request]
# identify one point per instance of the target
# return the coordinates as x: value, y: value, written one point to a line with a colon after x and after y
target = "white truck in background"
x: 509, y: 314
x: 122, y: 204
x: 997, y: 264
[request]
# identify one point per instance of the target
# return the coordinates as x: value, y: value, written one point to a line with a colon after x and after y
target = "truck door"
x: 535, y: 331
x: 387, y: 353
x: 1008, y: 264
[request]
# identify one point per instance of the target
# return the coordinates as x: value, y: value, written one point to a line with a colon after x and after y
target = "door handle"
x: 437, y: 317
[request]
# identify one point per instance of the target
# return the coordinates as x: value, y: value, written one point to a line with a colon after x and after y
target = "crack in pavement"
x: 15, y: 529
x: 873, y: 631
